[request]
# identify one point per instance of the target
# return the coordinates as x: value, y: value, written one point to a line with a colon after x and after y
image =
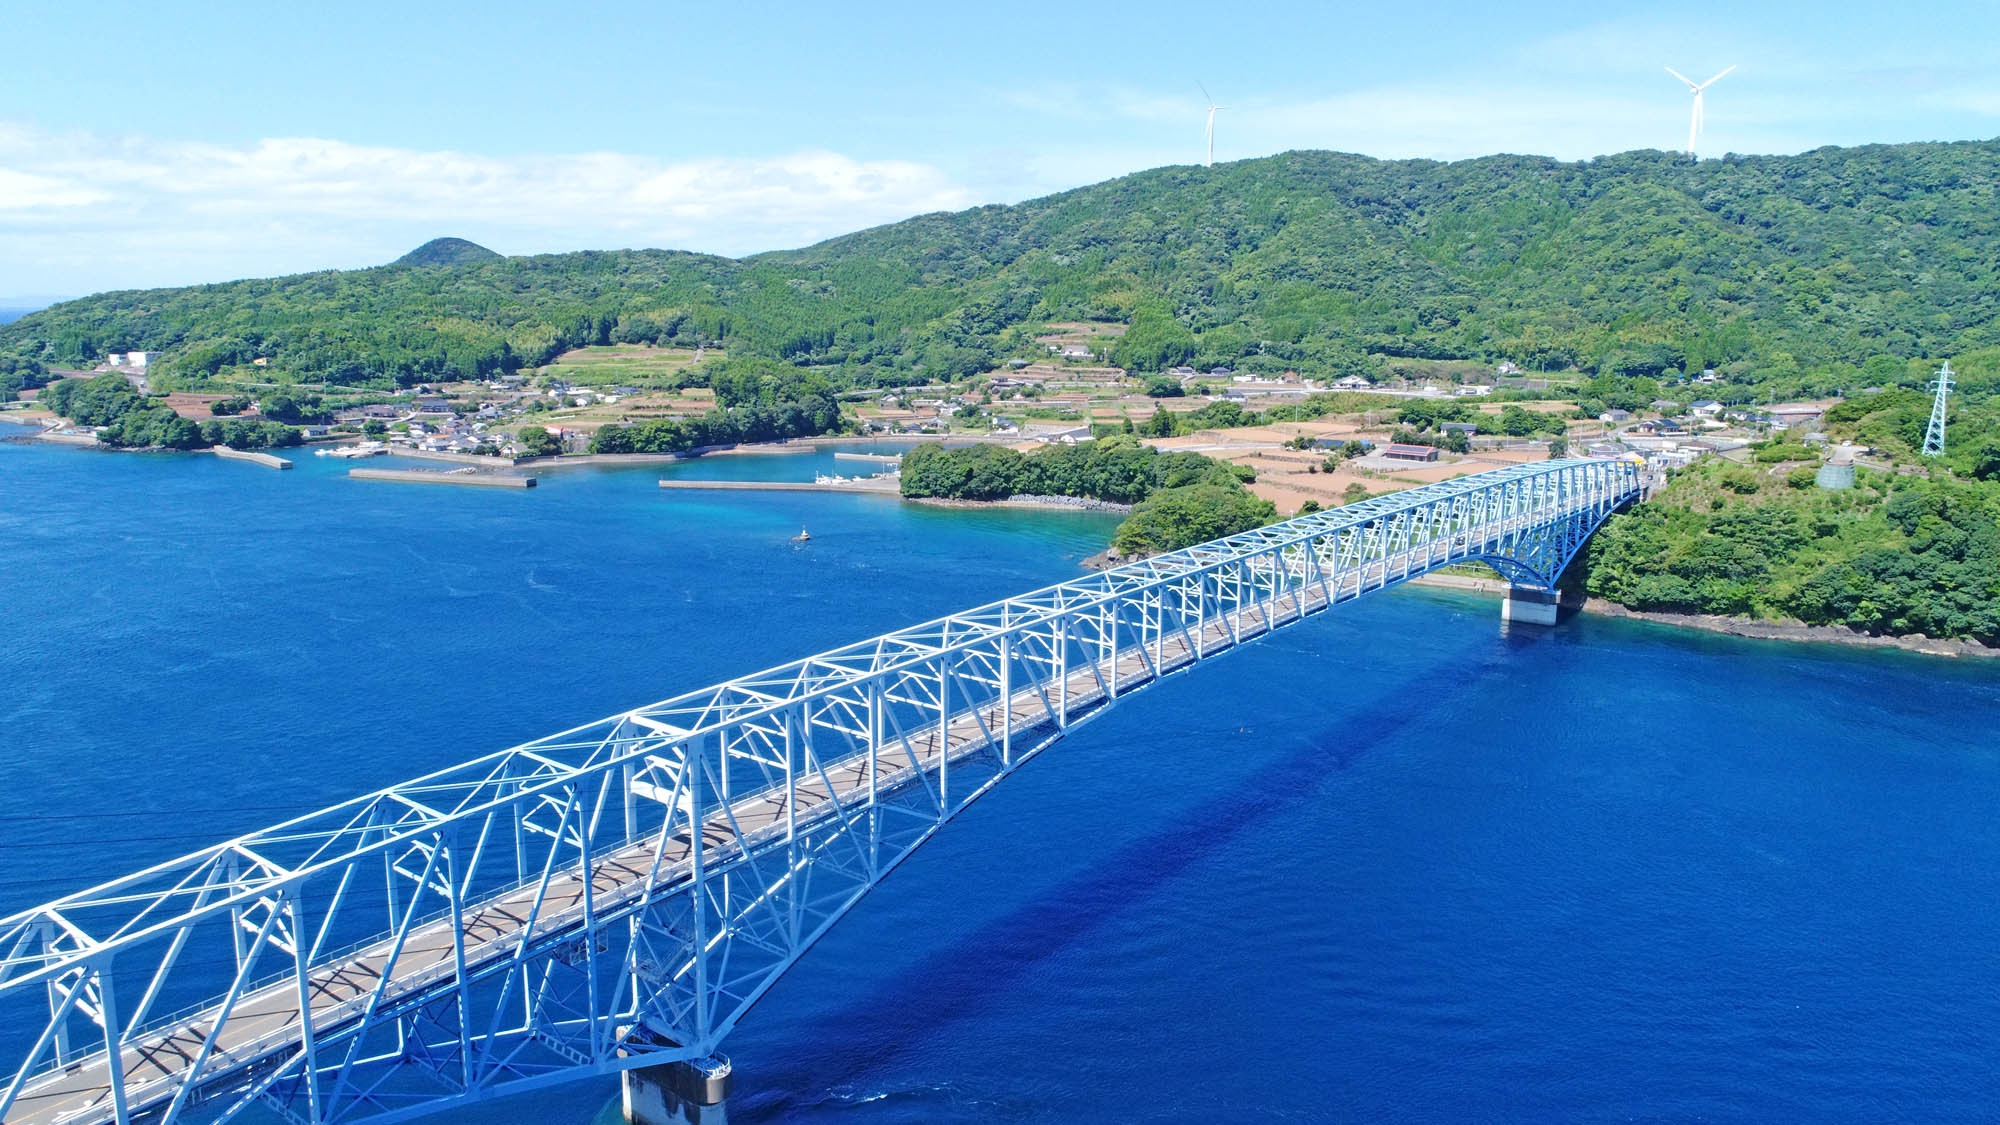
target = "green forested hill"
x: 1798, y: 274
x: 447, y: 252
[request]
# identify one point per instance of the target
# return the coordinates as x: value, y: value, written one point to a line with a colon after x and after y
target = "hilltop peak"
x: 447, y: 252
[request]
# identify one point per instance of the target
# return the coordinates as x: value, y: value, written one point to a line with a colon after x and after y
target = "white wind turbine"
x: 1694, y: 125
x: 1212, y: 107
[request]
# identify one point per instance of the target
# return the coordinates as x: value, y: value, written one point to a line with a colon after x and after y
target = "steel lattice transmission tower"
x: 1934, y: 434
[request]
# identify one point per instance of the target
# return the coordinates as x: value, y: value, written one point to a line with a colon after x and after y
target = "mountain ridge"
x: 1806, y: 267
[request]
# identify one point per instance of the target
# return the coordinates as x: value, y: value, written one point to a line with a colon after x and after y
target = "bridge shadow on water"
x: 830, y: 1055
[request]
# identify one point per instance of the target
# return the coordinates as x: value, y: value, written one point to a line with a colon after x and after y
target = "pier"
x: 432, y: 476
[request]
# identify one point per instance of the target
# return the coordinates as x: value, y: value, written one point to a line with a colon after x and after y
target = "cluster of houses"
x: 568, y: 395
x: 1708, y: 414
x: 434, y: 425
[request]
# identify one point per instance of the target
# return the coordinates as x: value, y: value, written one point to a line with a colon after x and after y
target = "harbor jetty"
x: 880, y: 486
x: 267, y: 460
x: 434, y: 476
x: 878, y: 458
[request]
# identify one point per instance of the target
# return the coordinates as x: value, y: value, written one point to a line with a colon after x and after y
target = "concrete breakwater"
x: 267, y: 460
x: 455, y: 458
x: 431, y: 476
x: 873, y: 486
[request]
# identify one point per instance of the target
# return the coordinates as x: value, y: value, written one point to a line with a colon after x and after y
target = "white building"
x: 137, y: 359
x: 1065, y: 437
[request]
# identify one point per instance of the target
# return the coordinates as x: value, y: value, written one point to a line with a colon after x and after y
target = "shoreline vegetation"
x: 1173, y: 500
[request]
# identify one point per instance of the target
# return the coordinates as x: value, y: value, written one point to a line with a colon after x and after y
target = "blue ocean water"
x: 1398, y: 864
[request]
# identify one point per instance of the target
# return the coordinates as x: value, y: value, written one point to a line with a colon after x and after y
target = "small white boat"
x: 802, y: 537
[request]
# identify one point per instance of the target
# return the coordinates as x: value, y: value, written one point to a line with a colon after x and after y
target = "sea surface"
x: 1399, y: 864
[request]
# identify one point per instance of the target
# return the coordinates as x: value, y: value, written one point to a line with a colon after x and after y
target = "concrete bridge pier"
x: 678, y: 1093
x: 1530, y: 606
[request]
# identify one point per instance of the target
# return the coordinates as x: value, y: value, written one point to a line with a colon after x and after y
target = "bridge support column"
x: 1530, y: 606
x: 679, y: 1093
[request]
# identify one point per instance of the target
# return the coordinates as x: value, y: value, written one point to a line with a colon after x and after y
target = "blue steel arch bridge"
x: 620, y: 895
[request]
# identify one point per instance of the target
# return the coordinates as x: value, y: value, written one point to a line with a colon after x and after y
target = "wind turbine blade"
x: 1683, y: 77
x: 1206, y: 97
x: 1718, y: 77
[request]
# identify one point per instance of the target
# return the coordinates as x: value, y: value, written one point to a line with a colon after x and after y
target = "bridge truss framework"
x: 540, y: 914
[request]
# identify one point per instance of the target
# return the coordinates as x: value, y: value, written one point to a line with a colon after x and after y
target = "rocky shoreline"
x: 1795, y: 631
x: 1024, y: 500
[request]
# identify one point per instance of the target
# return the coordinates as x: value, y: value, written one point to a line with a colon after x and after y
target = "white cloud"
x: 80, y: 211
x: 24, y: 191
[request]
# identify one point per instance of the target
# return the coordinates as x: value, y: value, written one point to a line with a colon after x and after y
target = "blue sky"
x: 169, y: 144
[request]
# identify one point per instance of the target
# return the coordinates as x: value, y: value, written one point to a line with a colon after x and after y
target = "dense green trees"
x: 1117, y: 469
x: 303, y: 409
x: 249, y: 433
x: 19, y: 374
x: 151, y: 426
x: 729, y: 425
x: 1180, y: 498
x: 537, y: 441
x: 92, y: 402
x: 124, y: 417
x: 1894, y: 555
x: 1173, y: 518
x: 1804, y: 274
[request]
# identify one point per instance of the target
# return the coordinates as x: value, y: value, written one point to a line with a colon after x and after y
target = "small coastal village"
x: 1348, y: 439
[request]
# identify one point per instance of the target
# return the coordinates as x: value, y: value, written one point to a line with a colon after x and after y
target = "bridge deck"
x: 267, y: 1022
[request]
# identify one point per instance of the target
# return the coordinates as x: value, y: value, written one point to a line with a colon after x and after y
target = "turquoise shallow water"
x: 1397, y: 864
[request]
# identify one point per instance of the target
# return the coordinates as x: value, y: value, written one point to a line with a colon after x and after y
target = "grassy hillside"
x: 1824, y: 271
